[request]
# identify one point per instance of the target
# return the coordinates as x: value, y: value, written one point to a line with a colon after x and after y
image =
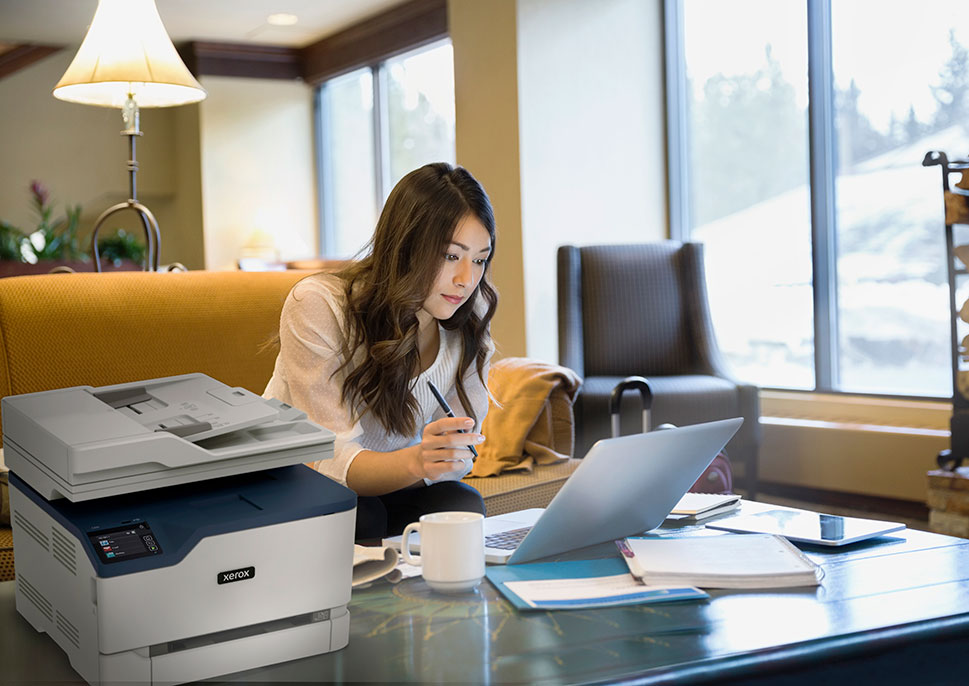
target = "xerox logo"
x: 236, y: 575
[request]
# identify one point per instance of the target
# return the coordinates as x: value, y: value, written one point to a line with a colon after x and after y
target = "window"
x: 795, y: 157
x: 376, y: 124
x: 350, y: 184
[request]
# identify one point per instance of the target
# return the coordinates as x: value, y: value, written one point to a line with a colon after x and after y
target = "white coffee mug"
x: 452, y: 550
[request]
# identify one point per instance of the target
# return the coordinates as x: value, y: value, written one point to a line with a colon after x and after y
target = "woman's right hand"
x: 442, y: 446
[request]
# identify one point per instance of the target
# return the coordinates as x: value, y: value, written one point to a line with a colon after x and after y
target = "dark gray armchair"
x: 642, y: 310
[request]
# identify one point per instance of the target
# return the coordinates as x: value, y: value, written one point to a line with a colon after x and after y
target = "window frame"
x: 822, y: 178
x: 380, y: 127
x: 366, y: 44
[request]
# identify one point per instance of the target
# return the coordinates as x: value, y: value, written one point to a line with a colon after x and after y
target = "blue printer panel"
x: 124, y: 543
x: 181, y: 516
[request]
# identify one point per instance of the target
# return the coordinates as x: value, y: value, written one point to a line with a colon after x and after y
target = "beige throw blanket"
x: 533, y: 424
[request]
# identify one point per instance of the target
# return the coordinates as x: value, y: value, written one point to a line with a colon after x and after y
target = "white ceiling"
x: 64, y: 22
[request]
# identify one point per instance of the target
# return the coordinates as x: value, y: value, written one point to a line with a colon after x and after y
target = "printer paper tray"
x: 162, y: 451
x: 241, y: 654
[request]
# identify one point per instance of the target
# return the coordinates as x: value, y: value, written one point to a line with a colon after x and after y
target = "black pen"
x: 450, y: 413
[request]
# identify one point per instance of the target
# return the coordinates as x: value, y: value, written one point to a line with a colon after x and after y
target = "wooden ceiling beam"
x: 23, y: 55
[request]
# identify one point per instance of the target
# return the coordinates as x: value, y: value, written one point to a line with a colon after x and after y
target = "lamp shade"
x: 127, y: 51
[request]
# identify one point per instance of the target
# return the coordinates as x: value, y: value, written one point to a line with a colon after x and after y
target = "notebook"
x: 697, y: 506
x: 576, y: 584
x: 808, y: 527
x: 623, y: 486
x: 726, y: 561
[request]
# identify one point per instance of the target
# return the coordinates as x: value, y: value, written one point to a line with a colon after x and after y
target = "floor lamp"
x: 127, y: 61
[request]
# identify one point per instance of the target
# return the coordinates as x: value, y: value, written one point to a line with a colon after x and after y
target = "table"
x: 894, y: 609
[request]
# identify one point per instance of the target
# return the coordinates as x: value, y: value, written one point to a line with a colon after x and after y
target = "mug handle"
x: 405, y: 548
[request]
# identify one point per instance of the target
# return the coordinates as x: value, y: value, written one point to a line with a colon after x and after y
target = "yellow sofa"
x: 61, y: 330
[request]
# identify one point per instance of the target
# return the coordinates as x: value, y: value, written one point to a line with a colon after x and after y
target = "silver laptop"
x: 624, y: 486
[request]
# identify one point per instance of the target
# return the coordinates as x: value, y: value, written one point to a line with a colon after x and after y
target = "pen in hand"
x: 447, y: 410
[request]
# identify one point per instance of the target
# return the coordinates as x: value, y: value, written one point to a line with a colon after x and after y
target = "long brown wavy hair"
x: 386, y: 288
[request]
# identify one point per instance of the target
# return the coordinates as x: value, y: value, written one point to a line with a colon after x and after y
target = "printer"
x: 167, y: 531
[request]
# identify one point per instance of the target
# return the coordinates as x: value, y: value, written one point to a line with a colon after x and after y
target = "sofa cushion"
x: 512, y: 491
x: 61, y: 330
x: 6, y: 554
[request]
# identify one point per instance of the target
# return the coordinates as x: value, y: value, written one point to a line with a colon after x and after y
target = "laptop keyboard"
x: 506, y: 540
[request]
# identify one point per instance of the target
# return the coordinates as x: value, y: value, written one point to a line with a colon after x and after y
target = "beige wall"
x: 592, y: 137
x: 188, y: 189
x: 77, y: 152
x: 486, y: 109
x: 210, y: 173
x: 258, y: 172
x: 567, y: 154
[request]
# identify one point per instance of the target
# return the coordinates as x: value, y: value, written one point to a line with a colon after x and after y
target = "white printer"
x: 167, y: 531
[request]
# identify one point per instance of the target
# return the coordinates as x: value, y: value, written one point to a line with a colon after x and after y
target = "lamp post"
x: 127, y: 61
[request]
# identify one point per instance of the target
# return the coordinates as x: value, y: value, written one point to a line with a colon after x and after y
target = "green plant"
x: 11, y: 242
x: 53, y: 239
x: 121, y: 246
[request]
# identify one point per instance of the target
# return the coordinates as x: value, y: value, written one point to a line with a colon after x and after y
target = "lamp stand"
x: 130, y: 116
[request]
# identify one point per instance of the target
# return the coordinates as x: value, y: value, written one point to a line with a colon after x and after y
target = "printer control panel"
x: 125, y: 542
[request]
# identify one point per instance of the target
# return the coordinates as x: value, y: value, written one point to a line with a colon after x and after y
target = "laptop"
x: 624, y: 486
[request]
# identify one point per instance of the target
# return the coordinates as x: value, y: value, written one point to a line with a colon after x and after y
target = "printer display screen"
x: 125, y: 542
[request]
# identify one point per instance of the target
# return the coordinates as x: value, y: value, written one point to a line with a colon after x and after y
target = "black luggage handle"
x: 615, y: 400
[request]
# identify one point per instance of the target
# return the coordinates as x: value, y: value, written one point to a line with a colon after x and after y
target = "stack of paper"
x: 729, y: 561
x: 699, y: 506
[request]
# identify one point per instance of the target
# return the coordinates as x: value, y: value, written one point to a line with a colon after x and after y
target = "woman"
x: 358, y: 347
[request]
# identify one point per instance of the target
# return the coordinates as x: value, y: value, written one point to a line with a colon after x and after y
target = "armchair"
x: 642, y: 310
